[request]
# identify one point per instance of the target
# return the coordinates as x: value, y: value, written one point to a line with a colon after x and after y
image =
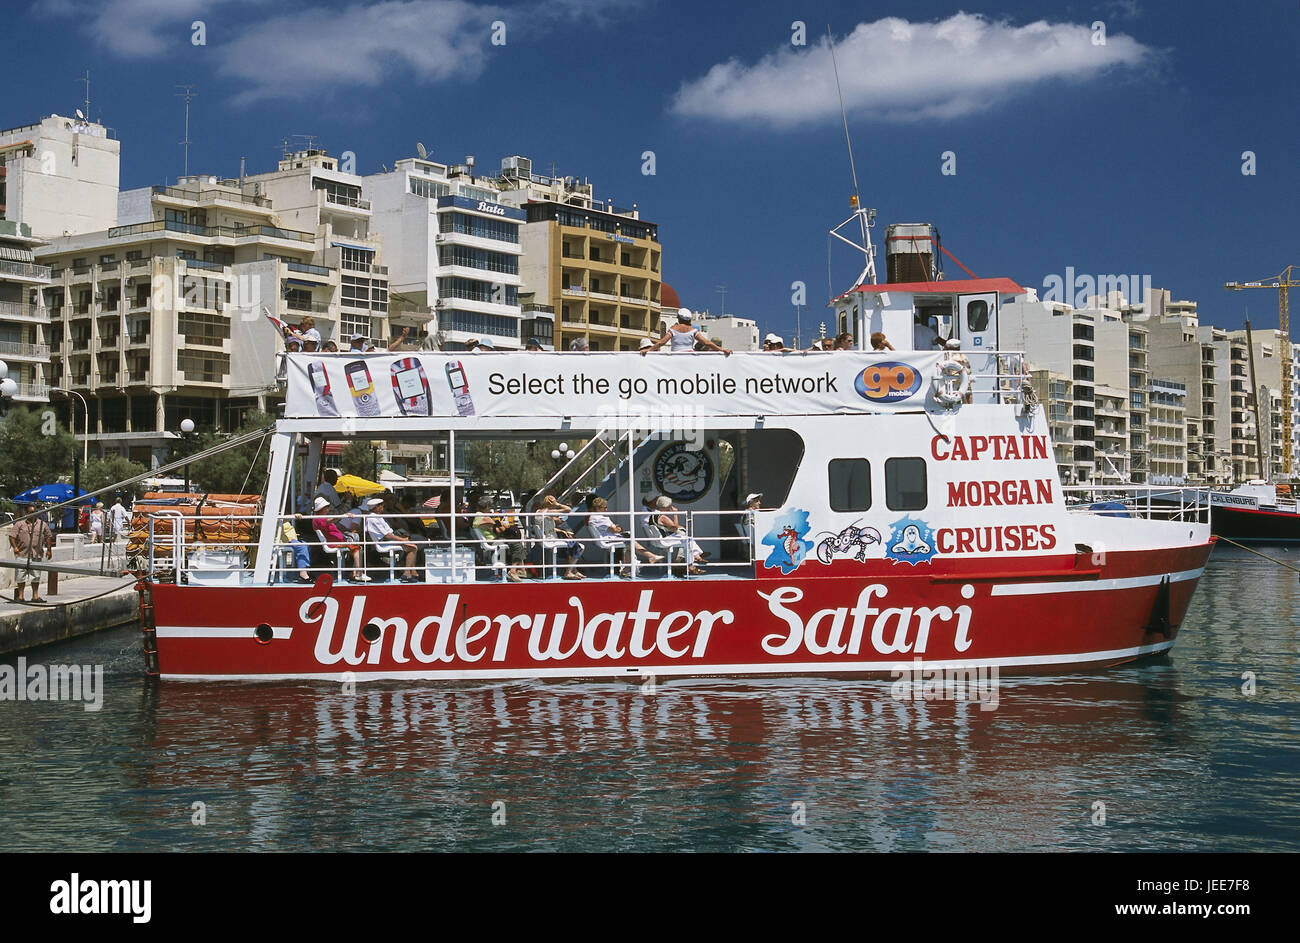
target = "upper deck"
x: 432, y: 390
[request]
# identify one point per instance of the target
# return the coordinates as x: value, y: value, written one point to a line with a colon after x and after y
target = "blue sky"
x: 1122, y: 158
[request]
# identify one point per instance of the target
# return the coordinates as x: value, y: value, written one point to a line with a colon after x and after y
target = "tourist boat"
x: 911, y: 515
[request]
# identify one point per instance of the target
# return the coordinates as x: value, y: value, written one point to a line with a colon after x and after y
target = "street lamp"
x: 85, y: 438
x: 187, y: 429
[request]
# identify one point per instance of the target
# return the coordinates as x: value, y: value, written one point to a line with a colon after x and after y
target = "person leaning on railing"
x: 30, y: 539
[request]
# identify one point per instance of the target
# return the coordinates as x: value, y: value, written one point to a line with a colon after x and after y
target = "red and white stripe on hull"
x: 1023, y: 615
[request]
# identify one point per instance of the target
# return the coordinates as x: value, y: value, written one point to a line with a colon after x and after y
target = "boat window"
x: 850, y: 484
x: 905, y: 484
x: 977, y: 316
x: 765, y: 462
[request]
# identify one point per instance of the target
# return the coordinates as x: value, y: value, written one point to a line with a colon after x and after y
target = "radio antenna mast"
x: 866, y: 217
x: 187, y: 93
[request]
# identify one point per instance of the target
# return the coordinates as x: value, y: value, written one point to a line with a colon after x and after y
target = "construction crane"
x: 1281, y: 283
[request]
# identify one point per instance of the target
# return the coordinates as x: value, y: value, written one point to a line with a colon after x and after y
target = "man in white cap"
x: 357, y: 342
x: 645, y: 342
x: 580, y: 345
x: 773, y: 343
x: 381, y: 534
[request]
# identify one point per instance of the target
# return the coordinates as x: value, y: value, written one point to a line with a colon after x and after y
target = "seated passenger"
x: 555, y: 537
x: 301, y: 552
x: 386, y: 540
x: 490, y: 529
x: 612, y: 537
x: 675, y: 534
x: 330, y: 534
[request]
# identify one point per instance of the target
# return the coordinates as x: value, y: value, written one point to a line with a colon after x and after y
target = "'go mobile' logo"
x: 887, y: 382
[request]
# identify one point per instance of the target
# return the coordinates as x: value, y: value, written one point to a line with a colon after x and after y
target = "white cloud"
x: 135, y: 28
x: 895, y: 70
x: 320, y: 51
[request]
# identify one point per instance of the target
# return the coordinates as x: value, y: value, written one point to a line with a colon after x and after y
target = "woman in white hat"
x: 683, y: 336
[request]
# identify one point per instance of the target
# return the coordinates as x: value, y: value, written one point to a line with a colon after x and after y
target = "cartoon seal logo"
x: 786, y: 538
x: 888, y: 382
x: 910, y: 541
x: 681, y: 473
x: 852, y: 539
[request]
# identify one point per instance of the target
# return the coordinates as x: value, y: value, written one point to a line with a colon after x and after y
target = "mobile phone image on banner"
x: 459, y: 388
x: 411, y: 387
x: 363, y: 388
x: 320, y: 385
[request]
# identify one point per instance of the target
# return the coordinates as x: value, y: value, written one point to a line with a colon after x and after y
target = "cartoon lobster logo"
x: 850, y: 539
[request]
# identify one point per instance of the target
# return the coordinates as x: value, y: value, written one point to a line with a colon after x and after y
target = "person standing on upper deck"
x: 327, y: 491
x: 880, y: 342
x: 684, y: 336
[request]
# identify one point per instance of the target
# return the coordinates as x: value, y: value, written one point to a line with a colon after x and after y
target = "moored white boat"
x: 911, y: 510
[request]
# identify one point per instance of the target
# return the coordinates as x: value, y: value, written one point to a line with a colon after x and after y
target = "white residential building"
x: 452, y: 246
x: 59, y: 176
x: 24, y: 320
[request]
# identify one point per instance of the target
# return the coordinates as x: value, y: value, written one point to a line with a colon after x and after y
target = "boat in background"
x: 1256, y: 512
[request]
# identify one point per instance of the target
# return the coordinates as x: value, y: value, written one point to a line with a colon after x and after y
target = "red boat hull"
x: 1023, y: 615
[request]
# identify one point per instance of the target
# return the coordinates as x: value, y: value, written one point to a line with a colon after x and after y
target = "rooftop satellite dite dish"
x: 80, y: 115
x: 419, y: 149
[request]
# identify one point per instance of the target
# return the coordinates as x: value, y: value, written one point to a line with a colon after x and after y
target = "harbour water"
x: 1181, y: 758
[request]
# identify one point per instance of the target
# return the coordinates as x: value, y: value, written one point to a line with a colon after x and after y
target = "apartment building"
x: 454, y: 248
x: 1111, y: 452
x: 1167, y: 432
x: 598, y: 265
x: 160, y: 318
x: 1054, y: 392
x: 1233, y: 403
x: 1061, y: 340
x: 310, y: 194
x: 24, y: 320
x: 59, y: 176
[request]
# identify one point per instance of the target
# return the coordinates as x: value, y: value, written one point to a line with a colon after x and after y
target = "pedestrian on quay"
x: 31, y: 540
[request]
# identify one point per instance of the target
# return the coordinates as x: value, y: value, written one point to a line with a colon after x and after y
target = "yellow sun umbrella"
x: 357, y: 485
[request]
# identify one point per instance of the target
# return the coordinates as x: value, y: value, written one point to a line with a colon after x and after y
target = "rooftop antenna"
x: 85, y: 104
x: 187, y: 93
x: 866, y: 217
x: 723, y: 290
x: 307, y: 140
x: 420, y: 149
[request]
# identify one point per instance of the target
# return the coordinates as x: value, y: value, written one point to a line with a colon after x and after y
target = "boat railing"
x: 491, y: 545
x: 447, y: 548
x: 1152, y: 502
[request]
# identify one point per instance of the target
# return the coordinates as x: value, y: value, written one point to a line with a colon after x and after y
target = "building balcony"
x: 29, y: 391
x: 211, y: 195
x: 24, y: 271
x: 305, y: 268
x: 15, y: 311
x: 307, y: 307
x: 347, y: 202
x: 21, y: 351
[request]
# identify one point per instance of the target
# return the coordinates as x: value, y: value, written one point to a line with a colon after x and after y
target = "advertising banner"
x: 562, y: 384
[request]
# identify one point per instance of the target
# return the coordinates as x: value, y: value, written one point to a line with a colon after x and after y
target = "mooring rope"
x: 1281, y: 563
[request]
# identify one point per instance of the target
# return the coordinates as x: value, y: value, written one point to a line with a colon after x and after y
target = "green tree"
x: 358, y: 458
x: 240, y: 470
x: 102, y: 472
x: 34, y: 450
x: 507, y: 465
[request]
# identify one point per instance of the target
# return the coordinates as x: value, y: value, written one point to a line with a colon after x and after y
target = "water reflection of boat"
x: 692, y: 764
